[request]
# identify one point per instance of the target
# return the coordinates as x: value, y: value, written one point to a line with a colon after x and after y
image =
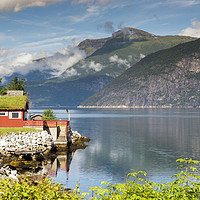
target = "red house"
x: 13, y: 113
x: 13, y: 109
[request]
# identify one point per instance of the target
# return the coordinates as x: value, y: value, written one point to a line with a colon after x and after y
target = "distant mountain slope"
x: 169, y: 77
x: 116, y: 54
x: 67, y: 93
x: 92, y: 45
x: 108, y: 58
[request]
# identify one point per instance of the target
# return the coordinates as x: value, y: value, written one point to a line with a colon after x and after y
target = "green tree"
x: 2, y: 89
x: 49, y: 115
x: 17, y: 84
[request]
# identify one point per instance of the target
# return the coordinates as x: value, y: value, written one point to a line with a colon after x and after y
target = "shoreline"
x: 128, y: 107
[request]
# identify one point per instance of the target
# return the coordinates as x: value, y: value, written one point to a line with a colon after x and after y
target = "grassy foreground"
x: 8, y: 130
x: 185, y: 186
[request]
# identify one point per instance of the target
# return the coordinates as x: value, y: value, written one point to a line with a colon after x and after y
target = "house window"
x: 3, y: 114
x: 15, y: 115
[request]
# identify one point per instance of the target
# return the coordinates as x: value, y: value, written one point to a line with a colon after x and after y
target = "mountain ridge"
x: 166, y: 78
x: 111, y: 57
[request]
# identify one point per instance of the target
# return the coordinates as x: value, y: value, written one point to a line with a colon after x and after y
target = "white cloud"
x: 193, y: 31
x: 71, y: 72
x: 181, y: 3
x: 6, y: 37
x: 56, y: 43
x: 82, y: 1
x: 95, y: 66
x: 119, y: 61
x: 65, y: 59
x: 23, y: 63
x: 92, y: 1
x: 22, y: 60
x: 105, y: 1
x: 5, y: 52
x: 91, y: 11
x: 18, y: 5
x: 142, y: 56
x: 17, y: 64
x: 184, y: 3
x: 47, y: 41
x: 91, y: 66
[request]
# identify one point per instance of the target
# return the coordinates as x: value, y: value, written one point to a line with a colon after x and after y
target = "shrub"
x: 185, y: 186
x: 49, y: 115
x: 25, y: 188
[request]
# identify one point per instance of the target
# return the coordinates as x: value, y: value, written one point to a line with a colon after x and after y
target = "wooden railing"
x: 49, y: 123
x: 62, y: 122
x: 33, y: 123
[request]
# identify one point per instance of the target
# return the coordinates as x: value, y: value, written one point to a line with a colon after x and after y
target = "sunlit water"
x: 121, y: 140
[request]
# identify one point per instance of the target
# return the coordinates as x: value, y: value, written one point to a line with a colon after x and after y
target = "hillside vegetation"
x: 107, y: 59
x: 168, y: 77
x: 120, y: 52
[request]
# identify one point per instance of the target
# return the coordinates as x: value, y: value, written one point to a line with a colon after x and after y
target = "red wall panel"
x: 6, y: 122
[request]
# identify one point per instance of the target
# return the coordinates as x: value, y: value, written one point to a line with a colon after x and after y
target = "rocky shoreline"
x: 129, y: 107
x: 25, y: 143
x: 32, y: 146
x: 75, y: 139
x: 7, y: 171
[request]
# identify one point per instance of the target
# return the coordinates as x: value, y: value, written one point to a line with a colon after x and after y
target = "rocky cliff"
x: 168, y: 78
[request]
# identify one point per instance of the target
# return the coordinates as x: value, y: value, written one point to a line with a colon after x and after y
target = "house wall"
x: 6, y: 120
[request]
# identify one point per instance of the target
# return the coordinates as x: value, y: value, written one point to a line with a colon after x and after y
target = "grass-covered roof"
x: 13, y: 102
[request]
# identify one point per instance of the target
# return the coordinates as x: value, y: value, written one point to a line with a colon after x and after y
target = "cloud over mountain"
x: 193, y: 31
x: 119, y: 61
x: 24, y: 63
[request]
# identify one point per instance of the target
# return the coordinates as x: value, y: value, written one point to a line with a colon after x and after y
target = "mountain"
x: 167, y: 78
x: 66, y: 93
x: 106, y: 59
x: 112, y: 56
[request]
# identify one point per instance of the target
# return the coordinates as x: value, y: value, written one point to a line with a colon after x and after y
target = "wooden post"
x: 66, y: 131
x: 68, y: 114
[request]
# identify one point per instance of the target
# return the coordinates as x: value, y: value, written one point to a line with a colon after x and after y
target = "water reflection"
x: 121, y: 140
x: 47, y: 165
x: 61, y: 162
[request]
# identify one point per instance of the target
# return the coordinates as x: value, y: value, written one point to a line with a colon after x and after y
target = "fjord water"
x: 121, y: 140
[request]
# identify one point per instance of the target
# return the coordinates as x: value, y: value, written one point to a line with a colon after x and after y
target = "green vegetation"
x: 185, y: 185
x: 15, y: 84
x: 8, y: 130
x: 2, y: 88
x: 25, y: 188
x: 124, y: 48
x: 49, y: 115
x: 13, y: 102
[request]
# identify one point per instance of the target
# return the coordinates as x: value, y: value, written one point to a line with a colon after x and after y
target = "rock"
x: 25, y: 141
x: 12, y: 177
x: 8, y: 172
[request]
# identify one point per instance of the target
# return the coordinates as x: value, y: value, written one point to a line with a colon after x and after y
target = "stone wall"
x: 26, y: 143
x: 15, y: 93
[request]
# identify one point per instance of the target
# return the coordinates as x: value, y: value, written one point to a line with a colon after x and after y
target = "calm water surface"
x: 121, y: 140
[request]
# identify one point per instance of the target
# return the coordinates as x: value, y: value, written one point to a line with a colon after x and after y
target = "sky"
x: 32, y: 29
